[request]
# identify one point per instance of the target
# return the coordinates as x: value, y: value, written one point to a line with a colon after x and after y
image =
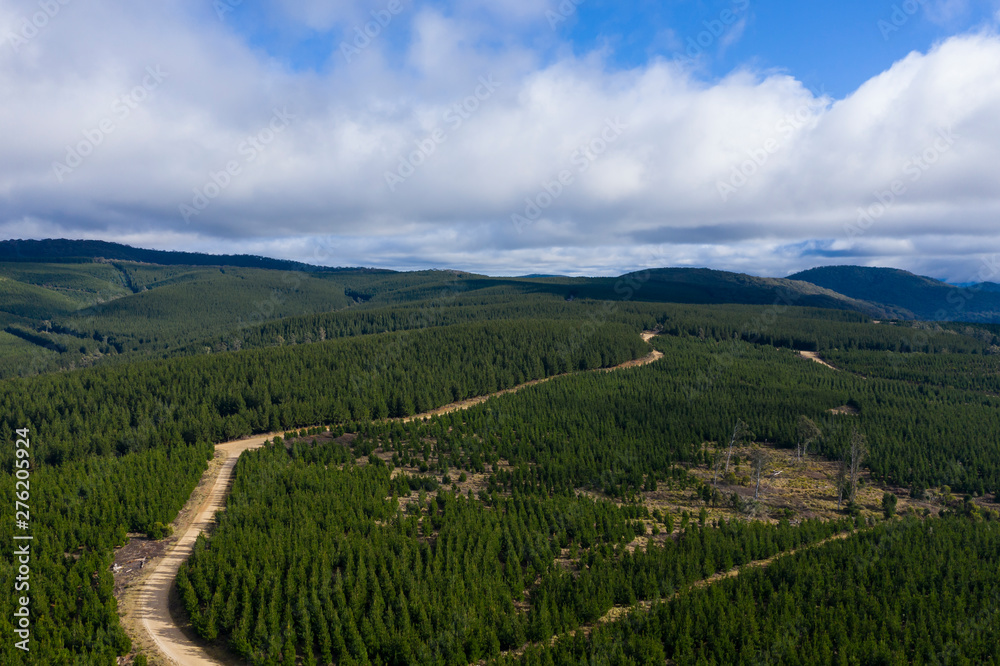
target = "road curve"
x: 154, y: 611
x: 153, y: 599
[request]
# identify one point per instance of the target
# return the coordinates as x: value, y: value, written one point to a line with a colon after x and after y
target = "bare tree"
x: 857, y: 453
x: 716, y: 466
x: 740, y: 432
x: 760, y: 461
x: 841, y: 481
x: 808, y: 432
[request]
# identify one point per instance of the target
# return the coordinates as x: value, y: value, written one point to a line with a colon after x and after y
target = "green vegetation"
x: 84, y: 284
x: 120, y: 448
x: 117, y: 409
x: 79, y: 512
x: 317, y: 563
x: 781, y: 325
x: 173, y: 307
x: 457, y: 537
x: 620, y: 432
x: 115, y: 310
x: 27, y: 300
x: 972, y: 372
x: 908, y: 592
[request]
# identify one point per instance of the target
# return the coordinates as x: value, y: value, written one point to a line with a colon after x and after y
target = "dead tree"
x: 841, y: 481
x: 808, y: 432
x: 858, y: 452
x: 716, y: 465
x: 760, y: 461
x: 740, y: 432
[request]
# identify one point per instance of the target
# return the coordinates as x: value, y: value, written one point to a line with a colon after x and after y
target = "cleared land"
x: 814, y: 356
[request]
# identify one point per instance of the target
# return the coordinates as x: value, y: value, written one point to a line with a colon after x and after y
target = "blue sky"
x: 834, y: 47
x: 511, y: 136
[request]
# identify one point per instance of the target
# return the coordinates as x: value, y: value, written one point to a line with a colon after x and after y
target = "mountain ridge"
x: 925, y: 297
x: 882, y: 293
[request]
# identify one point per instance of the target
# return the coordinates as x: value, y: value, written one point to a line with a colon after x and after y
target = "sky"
x: 576, y: 137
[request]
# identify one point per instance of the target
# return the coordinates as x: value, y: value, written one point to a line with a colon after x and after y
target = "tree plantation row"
x: 779, y: 325
x: 120, y: 448
x: 347, y: 565
x: 909, y: 592
x: 118, y: 409
x: 80, y: 511
x: 626, y: 431
x: 169, y: 311
x: 557, y: 564
x: 413, y: 572
x: 973, y: 372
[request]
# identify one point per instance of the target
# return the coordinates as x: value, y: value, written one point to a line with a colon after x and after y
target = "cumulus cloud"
x: 481, y: 155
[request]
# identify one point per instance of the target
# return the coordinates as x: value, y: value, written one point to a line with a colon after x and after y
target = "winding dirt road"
x: 466, y: 404
x: 154, y: 606
x: 164, y: 639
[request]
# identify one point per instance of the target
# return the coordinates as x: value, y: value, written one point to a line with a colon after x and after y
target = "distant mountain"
x: 704, y: 285
x: 882, y: 293
x: 990, y: 286
x: 73, y: 251
x: 923, y: 297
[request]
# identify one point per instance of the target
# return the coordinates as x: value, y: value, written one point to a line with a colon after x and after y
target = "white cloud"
x: 812, y: 161
x: 946, y: 12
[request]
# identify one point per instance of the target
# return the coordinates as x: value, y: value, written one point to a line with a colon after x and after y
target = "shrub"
x: 159, y: 531
x: 889, y: 505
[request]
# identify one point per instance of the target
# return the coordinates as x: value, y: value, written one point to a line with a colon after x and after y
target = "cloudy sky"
x: 583, y: 137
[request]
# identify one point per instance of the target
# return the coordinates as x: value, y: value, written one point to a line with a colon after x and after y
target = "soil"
x: 814, y: 356
x: 130, y: 560
x: 148, y: 612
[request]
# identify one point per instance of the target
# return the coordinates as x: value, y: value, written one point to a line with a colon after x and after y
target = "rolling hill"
x: 66, y: 303
x: 922, y: 297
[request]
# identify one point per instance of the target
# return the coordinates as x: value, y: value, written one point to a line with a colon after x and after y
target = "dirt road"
x: 153, y: 610
x: 651, y: 357
x: 814, y: 356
